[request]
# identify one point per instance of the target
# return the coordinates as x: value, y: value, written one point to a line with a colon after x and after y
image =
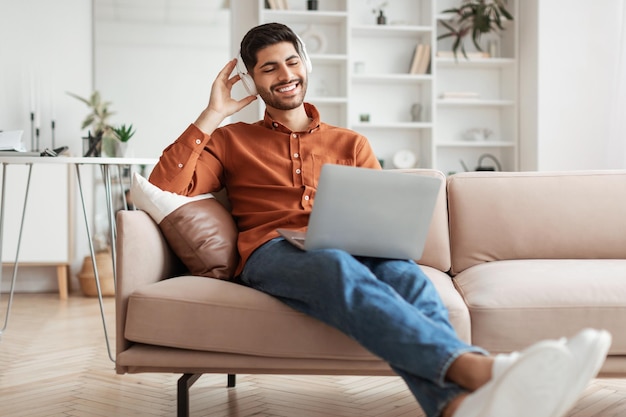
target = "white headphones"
x: 247, y: 80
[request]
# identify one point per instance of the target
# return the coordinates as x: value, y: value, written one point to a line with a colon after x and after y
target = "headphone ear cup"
x: 246, y: 79
x: 305, y: 55
x: 307, y: 61
x: 248, y: 84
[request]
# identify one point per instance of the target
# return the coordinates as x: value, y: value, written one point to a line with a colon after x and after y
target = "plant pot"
x: 122, y: 149
x: 87, y: 279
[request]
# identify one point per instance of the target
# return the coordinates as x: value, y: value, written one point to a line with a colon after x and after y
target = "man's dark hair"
x: 263, y: 36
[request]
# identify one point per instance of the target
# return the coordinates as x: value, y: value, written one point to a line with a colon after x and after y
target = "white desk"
x: 105, y: 164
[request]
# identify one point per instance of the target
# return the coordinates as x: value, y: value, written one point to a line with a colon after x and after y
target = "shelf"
x: 451, y: 16
x: 476, y: 144
x: 393, y: 125
x: 392, y: 78
x: 445, y: 16
x: 475, y: 63
x: 327, y: 100
x: 328, y: 58
x: 304, y: 16
x: 389, y: 30
x: 474, y: 103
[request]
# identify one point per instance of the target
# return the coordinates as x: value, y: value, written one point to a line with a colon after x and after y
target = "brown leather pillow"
x: 200, y: 231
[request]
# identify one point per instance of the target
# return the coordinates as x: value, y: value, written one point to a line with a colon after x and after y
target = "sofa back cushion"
x: 437, y: 250
x: 536, y: 215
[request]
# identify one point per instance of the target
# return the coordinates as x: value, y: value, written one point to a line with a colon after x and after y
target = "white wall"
x: 572, y: 76
x: 50, y: 43
x: 156, y: 64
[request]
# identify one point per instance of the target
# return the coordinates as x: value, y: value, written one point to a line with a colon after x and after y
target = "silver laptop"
x: 369, y: 212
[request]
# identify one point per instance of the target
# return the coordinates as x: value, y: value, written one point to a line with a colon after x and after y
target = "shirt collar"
x: 310, y: 110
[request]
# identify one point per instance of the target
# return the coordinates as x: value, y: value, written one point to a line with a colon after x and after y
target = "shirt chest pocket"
x: 317, y: 161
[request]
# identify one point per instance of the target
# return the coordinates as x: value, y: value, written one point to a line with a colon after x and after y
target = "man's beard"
x: 282, y: 104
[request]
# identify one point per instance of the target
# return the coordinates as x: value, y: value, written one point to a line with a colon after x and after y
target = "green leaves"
x: 124, y: 133
x: 98, y: 119
x: 475, y: 17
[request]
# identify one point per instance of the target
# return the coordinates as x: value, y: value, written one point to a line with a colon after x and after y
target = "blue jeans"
x: 389, y: 306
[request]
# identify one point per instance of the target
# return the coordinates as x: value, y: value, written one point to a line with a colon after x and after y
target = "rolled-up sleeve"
x: 186, y: 168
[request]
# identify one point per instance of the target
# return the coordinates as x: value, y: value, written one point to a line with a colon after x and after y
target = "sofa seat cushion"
x: 212, y: 315
x: 515, y: 303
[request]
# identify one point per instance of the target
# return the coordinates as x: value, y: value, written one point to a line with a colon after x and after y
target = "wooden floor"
x: 53, y: 362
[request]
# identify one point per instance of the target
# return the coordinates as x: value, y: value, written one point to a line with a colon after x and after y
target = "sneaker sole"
x: 594, y: 358
x: 532, y: 386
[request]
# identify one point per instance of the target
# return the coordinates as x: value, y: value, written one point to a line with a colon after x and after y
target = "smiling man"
x: 270, y: 169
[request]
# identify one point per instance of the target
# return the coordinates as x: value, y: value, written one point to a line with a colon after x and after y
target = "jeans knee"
x: 332, y: 263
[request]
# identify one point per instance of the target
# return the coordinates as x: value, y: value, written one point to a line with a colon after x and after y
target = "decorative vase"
x: 416, y: 112
x: 381, y: 19
x: 92, y: 145
x: 87, y: 279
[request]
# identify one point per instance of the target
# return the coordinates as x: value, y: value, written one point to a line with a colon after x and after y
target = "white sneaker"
x: 532, y: 382
x: 589, y: 349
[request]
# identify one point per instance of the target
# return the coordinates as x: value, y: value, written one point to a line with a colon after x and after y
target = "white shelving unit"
x: 325, y: 34
x: 382, y: 88
x: 493, y: 81
x: 361, y: 80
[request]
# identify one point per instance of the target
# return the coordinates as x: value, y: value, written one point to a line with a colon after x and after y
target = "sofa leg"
x: 184, y: 383
x: 232, y: 380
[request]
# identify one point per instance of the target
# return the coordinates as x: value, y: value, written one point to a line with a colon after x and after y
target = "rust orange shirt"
x: 270, y: 172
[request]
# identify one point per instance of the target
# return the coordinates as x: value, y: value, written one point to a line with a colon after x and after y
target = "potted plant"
x: 123, y: 134
x: 101, y: 131
x: 475, y: 18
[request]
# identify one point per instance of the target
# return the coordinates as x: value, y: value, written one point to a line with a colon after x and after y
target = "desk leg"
x: 19, y: 239
x: 111, y: 217
x: 93, y: 262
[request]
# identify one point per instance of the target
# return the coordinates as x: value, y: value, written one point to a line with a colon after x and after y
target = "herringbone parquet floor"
x: 53, y: 362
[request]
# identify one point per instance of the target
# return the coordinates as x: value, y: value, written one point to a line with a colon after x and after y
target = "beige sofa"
x: 516, y: 257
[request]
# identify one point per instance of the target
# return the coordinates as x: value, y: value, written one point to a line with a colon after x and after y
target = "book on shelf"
x: 414, y: 61
x: 421, y: 59
x: 424, y: 62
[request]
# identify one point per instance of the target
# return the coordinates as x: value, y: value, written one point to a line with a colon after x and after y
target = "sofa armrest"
x: 143, y: 257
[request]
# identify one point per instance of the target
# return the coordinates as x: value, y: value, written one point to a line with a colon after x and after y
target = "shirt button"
x: 198, y: 141
x: 180, y: 165
x: 296, y: 155
x: 306, y: 197
x: 294, y: 136
x: 298, y: 171
x: 275, y: 124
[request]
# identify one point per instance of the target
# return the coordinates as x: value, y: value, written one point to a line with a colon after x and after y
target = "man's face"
x: 280, y: 76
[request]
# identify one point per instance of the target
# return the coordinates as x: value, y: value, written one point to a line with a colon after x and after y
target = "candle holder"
x: 53, y: 126
x: 32, y: 130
